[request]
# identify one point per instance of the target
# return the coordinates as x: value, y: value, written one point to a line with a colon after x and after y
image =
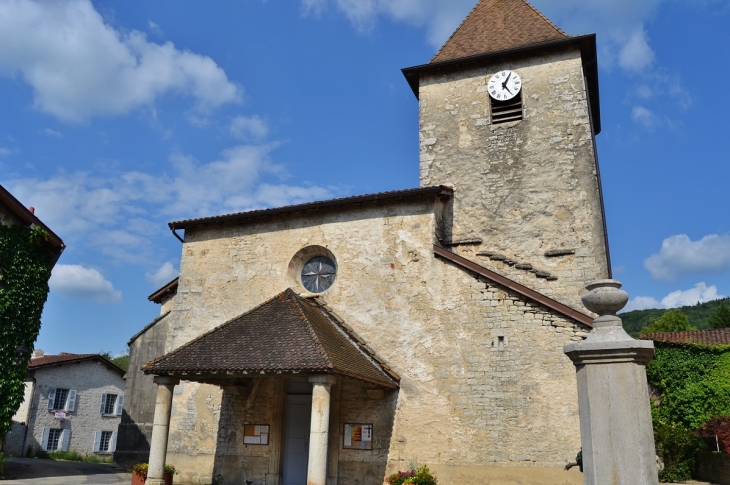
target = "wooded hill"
x: 635, y: 321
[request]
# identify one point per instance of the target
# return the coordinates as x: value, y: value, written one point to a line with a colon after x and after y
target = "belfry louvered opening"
x: 504, y: 111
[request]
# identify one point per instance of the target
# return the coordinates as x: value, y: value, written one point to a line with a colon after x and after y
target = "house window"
x: 54, y: 437
x: 509, y: 110
x: 318, y: 274
x: 59, y: 401
x: 105, y: 442
x: 108, y: 404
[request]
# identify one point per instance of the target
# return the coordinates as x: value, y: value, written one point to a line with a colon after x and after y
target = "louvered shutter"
x: 120, y: 404
x: 97, y: 441
x: 51, y: 397
x: 65, y: 439
x: 113, y: 444
x: 44, y: 439
x: 71, y: 400
x: 103, y: 402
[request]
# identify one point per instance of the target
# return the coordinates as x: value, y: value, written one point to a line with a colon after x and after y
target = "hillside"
x: 635, y: 321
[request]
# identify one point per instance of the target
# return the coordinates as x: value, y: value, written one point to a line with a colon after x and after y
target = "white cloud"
x: 4, y: 152
x: 249, y: 128
x: 636, y: 53
x: 700, y: 293
x: 76, y: 281
x: 680, y: 256
x: 53, y: 133
x: 155, y: 29
x: 120, y: 213
x: 79, y: 67
x: 644, y: 117
x: 163, y: 275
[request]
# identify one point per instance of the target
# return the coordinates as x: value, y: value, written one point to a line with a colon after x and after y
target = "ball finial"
x: 605, y: 297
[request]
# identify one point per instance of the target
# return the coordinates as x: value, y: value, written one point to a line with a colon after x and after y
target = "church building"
x: 337, y: 342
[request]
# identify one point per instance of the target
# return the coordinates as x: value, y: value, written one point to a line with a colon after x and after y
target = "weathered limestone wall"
x: 135, y: 429
x: 13, y: 442
x: 90, y: 380
x: 526, y: 187
x: 486, y: 390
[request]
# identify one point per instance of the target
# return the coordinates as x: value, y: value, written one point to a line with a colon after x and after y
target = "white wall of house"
x: 84, y: 422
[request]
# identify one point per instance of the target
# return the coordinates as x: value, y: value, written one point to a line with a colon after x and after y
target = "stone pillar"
x: 319, y: 434
x: 613, y: 396
x: 160, y: 429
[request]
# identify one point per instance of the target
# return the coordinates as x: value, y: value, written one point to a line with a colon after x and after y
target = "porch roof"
x: 286, y: 334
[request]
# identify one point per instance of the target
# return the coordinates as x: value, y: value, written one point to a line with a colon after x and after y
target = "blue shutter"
x: 44, y: 439
x: 51, y: 397
x: 113, y: 444
x: 71, y: 401
x: 103, y: 402
x: 65, y: 439
x: 120, y: 404
x: 97, y: 441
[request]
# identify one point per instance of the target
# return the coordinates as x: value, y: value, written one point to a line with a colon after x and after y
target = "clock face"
x: 504, y: 85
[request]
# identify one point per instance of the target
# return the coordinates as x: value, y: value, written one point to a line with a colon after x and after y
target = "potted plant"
x: 139, y: 473
x: 422, y: 476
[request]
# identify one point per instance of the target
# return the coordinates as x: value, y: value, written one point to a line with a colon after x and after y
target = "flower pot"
x: 138, y: 479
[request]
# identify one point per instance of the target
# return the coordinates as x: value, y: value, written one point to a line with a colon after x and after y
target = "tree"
x: 121, y: 360
x: 672, y: 321
x: 720, y: 318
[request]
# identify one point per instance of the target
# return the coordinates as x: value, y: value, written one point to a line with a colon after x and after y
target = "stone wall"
x: 13, y: 442
x: 135, y: 429
x: 523, y: 188
x: 486, y: 390
x: 90, y: 379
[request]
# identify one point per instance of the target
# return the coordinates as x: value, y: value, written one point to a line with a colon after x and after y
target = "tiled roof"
x: 357, y: 199
x: 169, y: 289
x: 498, y: 25
x: 66, y: 358
x: 720, y: 336
x: 287, y: 334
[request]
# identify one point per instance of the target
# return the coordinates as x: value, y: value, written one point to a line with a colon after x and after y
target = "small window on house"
x: 108, y: 403
x: 54, y: 438
x: 59, y: 401
x: 105, y: 442
x: 509, y: 110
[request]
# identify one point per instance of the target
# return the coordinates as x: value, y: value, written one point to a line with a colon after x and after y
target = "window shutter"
x: 44, y: 439
x: 97, y: 441
x: 65, y: 439
x: 51, y: 397
x: 120, y: 404
x: 103, y: 402
x: 113, y: 444
x: 71, y: 401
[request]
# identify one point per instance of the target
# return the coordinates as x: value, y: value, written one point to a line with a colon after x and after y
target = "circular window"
x: 318, y: 274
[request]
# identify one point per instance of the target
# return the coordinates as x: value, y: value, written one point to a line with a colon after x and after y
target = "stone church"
x: 337, y: 342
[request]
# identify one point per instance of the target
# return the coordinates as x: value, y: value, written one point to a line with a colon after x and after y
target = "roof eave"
x: 31, y: 219
x: 586, y: 43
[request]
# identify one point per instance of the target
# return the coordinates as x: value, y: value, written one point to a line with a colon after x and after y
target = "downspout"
x: 172, y: 228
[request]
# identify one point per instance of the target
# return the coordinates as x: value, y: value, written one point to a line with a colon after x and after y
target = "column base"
x: 155, y: 481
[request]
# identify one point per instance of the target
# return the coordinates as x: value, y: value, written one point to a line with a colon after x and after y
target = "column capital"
x: 326, y: 379
x: 166, y: 380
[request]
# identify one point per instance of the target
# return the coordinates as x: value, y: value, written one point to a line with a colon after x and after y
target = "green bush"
x: 677, y: 446
x: 422, y: 476
x: 72, y: 456
x: 2, y: 464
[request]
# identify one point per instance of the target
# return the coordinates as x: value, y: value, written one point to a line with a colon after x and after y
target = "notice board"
x: 256, y: 434
x: 358, y: 436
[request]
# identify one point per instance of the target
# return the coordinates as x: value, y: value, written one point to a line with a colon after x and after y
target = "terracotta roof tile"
x: 66, y: 358
x: 710, y: 337
x: 285, y: 334
x: 497, y: 25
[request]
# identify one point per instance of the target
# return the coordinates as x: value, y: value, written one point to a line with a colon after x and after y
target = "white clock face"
x: 504, y: 85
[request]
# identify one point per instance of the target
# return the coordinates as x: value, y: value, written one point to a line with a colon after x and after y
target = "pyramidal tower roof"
x: 497, y: 25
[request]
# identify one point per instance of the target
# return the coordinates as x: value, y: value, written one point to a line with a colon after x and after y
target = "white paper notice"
x: 252, y: 440
x: 264, y: 429
x: 367, y: 433
x: 257, y: 430
x: 348, y: 435
x: 264, y: 439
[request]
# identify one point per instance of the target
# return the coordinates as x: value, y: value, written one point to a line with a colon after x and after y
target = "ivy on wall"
x: 25, y: 268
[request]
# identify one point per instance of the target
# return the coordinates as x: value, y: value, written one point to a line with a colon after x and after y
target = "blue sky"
x: 118, y: 117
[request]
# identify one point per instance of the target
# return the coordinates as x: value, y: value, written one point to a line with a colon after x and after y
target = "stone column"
x: 613, y: 396
x: 319, y: 434
x: 160, y: 429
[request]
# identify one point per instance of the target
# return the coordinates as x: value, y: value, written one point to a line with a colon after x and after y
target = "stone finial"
x: 605, y: 297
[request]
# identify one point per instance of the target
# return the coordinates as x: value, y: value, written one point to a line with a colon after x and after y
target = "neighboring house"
x: 709, y: 337
x: 73, y: 403
x: 427, y: 324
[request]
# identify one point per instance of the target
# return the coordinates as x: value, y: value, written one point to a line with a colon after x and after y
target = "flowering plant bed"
x: 139, y: 473
x: 422, y: 476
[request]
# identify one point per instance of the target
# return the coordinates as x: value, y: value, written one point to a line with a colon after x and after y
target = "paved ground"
x: 36, y: 471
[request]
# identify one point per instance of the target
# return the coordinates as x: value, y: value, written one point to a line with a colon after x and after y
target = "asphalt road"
x: 37, y: 471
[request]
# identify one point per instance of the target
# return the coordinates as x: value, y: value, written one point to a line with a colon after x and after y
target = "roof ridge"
x: 455, y: 31
x: 545, y: 18
x: 298, y: 302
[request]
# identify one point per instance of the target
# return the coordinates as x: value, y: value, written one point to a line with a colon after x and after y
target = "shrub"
x: 2, y: 464
x: 677, y: 446
x: 141, y: 470
x: 422, y: 476
x: 717, y: 428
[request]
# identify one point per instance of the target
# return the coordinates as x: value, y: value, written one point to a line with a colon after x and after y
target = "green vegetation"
x: 73, y: 456
x: 693, y: 382
x: 699, y: 316
x: 121, y: 361
x: 2, y: 464
x: 672, y: 321
x: 25, y: 267
x: 720, y: 317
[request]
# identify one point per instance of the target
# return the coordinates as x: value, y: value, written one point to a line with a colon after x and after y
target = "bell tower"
x: 509, y: 110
